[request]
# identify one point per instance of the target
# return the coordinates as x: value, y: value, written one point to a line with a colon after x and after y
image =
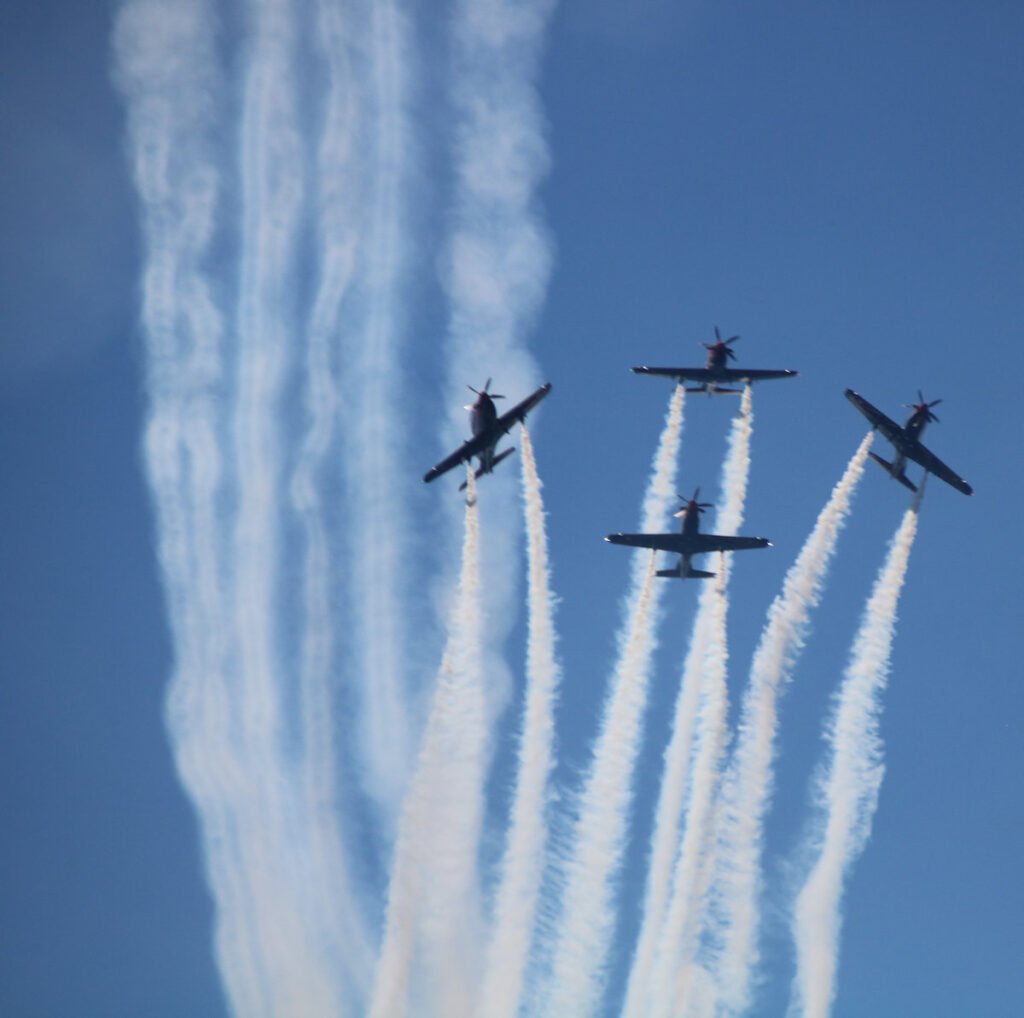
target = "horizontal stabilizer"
x: 494, y: 463
x: 698, y: 574
x: 887, y: 466
x: 714, y: 392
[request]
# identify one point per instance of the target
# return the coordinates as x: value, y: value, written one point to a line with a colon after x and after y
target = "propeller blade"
x: 484, y: 392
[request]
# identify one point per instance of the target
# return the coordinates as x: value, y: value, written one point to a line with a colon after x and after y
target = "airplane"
x: 906, y: 441
x: 487, y: 428
x: 689, y: 541
x: 716, y: 371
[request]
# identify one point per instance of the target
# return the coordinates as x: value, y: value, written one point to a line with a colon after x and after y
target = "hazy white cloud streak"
x: 523, y: 862
x: 166, y: 70
x: 374, y: 36
x: 213, y: 449
x: 848, y: 788
x: 588, y: 912
x: 746, y: 789
x: 432, y: 899
x: 339, y: 192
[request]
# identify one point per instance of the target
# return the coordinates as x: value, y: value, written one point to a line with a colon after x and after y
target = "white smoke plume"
x: 523, y: 863
x: 848, y: 787
x: 432, y: 896
x: 166, y: 69
x: 365, y: 201
x: 497, y: 254
x: 679, y: 919
x: 588, y: 916
x: 214, y: 455
x: 746, y: 789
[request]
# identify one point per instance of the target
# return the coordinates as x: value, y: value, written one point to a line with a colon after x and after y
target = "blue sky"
x: 840, y: 187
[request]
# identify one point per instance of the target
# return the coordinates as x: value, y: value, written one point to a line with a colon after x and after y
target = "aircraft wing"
x: 721, y: 542
x: 680, y: 374
x: 471, y: 447
x: 475, y: 445
x: 919, y: 454
x: 886, y: 425
x: 720, y: 375
x: 683, y: 544
x: 516, y: 415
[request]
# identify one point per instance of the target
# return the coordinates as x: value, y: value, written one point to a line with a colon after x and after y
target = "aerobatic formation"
x: 372, y: 844
x: 697, y: 950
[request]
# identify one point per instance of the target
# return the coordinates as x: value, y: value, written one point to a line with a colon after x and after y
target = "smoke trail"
x: 849, y: 789
x: 746, y: 789
x: 497, y: 258
x: 300, y: 977
x: 339, y: 187
x: 672, y: 927
x: 166, y: 70
x: 432, y: 893
x: 500, y: 255
x: 373, y: 402
x: 669, y: 809
x: 523, y: 863
x: 213, y: 455
x: 588, y: 916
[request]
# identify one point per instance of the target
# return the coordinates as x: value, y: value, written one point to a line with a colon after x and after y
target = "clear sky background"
x: 841, y: 187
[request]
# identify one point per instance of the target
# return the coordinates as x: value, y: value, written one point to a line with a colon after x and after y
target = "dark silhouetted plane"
x: 906, y: 441
x: 487, y: 428
x: 689, y: 541
x: 716, y: 372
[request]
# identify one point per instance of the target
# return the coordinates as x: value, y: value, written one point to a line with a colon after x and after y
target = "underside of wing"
x: 722, y: 542
x: 659, y: 542
x: 681, y: 374
x: 512, y: 417
x: 755, y: 374
x: 886, y: 425
x: 469, y: 448
x: 927, y: 459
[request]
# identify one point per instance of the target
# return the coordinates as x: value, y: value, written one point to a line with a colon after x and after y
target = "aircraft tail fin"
x: 887, y: 467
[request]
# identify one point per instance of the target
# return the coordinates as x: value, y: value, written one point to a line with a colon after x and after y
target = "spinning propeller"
x: 688, y: 502
x: 484, y: 392
x: 926, y: 407
x: 725, y: 344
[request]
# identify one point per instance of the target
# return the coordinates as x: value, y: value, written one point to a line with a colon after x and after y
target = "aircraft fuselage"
x: 688, y: 527
x: 483, y: 416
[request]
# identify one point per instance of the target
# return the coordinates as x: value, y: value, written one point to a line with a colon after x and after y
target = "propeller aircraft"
x: 487, y: 428
x: 689, y: 541
x: 906, y: 441
x: 717, y: 371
